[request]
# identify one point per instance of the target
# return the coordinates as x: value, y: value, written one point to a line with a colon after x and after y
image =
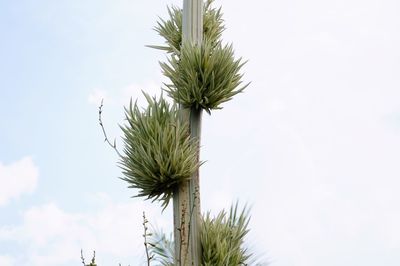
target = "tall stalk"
x: 187, y: 213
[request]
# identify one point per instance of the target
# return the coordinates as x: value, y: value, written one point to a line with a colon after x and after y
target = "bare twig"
x: 82, y: 258
x: 148, y: 257
x: 92, y: 263
x: 112, y: 145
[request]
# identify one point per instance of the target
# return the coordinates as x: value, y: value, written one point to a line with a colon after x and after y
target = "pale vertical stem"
x: 181, y: 223
x: 194, y: 191
x: 192, y: 21
x: 181, y: 201
x: 187, y: 213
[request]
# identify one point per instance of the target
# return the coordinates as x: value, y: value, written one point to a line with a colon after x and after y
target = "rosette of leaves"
x: 158, y: 152
x: 222, y: 238
x: 171, y: 29
x: 203, y: 76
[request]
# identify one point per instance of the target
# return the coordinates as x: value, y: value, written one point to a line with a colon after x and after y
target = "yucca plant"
x: 162, y: 141
x: 158, y: 154
x: 203, y: 74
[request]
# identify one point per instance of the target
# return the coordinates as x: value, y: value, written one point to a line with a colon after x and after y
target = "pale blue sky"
x: 313, y: 144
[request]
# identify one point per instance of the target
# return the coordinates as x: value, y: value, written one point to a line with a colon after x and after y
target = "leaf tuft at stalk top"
x: 171, y: 29
x: 204, y: 76
x: 158, y: 153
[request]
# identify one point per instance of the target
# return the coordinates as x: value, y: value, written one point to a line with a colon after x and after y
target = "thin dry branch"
x: 112, y: 145
x: 146, y: 243
x: 82, y: 258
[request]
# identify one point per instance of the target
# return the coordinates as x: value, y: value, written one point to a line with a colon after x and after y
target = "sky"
x: 313, y: 144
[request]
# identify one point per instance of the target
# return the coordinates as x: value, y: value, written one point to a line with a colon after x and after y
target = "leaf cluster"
x: 222, y: 238
x: 171, y: 29
x: 158, y: 152
x: 203, y: 76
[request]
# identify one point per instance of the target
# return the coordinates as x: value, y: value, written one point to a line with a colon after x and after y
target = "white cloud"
x: 17, y: 178
x: 124, y: 94
x: 134, y: 91
x: 276, y: 105
x: 6, y: 261
x: 51, y: 236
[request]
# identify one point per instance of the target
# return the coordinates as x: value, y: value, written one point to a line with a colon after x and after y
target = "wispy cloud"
x: 17, y: 178
x: 122, y: 95
x: 97, y: 95
x: 392, y: 121
x: 6, y: 261
x: 53, y: 236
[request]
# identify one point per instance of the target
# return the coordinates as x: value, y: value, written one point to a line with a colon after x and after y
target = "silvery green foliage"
x: 158, y: 153
x: 171, y: 29
x: 222, y: 241
x: 201, y: 76
x: 162, y: 248
x: 222, y: 238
